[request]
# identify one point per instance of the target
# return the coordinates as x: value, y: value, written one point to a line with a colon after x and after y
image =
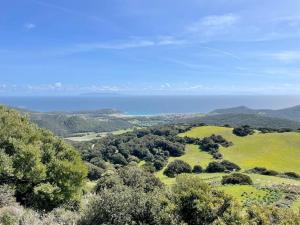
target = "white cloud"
x: 29, y: 26
x: 213, y: 24
x: 58, y: 85
x: 285, y: 56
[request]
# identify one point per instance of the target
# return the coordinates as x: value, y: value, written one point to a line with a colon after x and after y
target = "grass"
x: 92, y: 135
x: 296, y: 205
x: 276, y: 151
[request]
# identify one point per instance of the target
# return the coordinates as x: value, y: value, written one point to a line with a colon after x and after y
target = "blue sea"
x: 149, y: 105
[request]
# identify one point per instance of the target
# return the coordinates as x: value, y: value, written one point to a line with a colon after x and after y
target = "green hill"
x: 238, y: 119
x: 274, y: 151
x: 292, y: 113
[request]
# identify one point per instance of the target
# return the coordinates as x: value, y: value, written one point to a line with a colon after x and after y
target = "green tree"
x: 45, y: 171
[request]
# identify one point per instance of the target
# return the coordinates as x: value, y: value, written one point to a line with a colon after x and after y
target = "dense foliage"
x: 65, y: 124
x: 243, y: 131
x: 177, y: 167
x: 153, y: 145
x: 237, y: 178
x: 223, y: 166
x: 45, y: 171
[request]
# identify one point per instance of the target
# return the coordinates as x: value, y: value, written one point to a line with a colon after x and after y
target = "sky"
x: 171, y: 47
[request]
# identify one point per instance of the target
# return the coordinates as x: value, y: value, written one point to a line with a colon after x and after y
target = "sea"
x: 148, y: 105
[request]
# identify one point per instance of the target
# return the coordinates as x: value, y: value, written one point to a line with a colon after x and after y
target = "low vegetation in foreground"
x: 167, y: 175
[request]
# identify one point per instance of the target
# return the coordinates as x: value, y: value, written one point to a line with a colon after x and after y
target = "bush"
x: 243, y: 131
x: 264, y: 171
x: 7, y: 195
x: 217, y: 155
x: 218, y: 167
x: 198, y: 204
x: 292, y: 175
x: 108, y: 180
x: 177, y: 167
x: 215, y: 167
x: 94, y: 172
x: 230, y: 166
x: 32, y: 158
x: 207, y: 144
x: 197, y: 169
x: 237, y: 178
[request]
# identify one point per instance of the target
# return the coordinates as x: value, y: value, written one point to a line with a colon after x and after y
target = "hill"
x: 292, y: 113
x: 237, y: 119
x: 64, y: 124
x: 275, y: 151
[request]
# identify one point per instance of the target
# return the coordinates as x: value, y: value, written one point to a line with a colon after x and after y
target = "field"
x: 276, y: 151
x: 88, y: 136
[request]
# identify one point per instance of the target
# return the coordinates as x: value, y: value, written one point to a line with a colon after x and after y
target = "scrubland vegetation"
x: 175, y: 174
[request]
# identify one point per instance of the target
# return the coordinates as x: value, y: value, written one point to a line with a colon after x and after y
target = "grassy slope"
x: 280, y: 152
x: 277, y: 151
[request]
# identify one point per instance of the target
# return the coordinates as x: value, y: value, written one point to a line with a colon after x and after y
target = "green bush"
x: 94, y: 172
x: 198, y: 204
x: 264, y: 171
x: 237, y: 178
x: 218, y: 167
x: 215, y: 167
x: 243, y: 131
x: 197, y: 169
x: 32, y: 159
x: 177, y: 167
x: 7, y: 195
x: 292, y: 175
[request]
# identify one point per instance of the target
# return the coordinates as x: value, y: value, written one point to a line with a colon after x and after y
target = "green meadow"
x: 276, y: 151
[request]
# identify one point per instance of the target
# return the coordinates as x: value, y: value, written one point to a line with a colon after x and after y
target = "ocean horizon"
x: 148, y: 105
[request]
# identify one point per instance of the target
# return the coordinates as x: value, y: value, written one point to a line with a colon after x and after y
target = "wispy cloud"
x: 120, y: 45
x: 285, y: 56
x: 213, y: 24
x: 29, y: 26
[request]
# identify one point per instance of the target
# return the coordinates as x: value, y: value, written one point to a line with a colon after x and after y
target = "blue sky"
x: 66, y: 47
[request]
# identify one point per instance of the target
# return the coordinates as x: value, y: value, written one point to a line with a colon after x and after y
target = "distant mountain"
x: 292, y: 113
x: 100, y: 94
x: 253, y: 120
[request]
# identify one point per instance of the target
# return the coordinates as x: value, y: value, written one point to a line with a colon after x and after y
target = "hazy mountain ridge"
x: 291, y: 113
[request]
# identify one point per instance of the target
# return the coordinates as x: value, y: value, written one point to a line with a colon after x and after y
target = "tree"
x: 237, y: 178
x: 197, y: 169
x: 243, y: 131
x: 177, y: 167
x: 198, y: 204
x: 45, y: 171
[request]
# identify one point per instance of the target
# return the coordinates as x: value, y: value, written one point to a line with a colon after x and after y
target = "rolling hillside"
x: 275, y: 151
x: 292, y: 113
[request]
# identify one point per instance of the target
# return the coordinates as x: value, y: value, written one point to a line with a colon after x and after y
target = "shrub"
x: 177, y: 167
x: 215, y: 167
x: 292, y: 175
x: 230, y: 166
x: 243, y: 131
x: 207, y: 144
x: 237, y: 178
x: 197, y: 169
x: 264, y: 171
x: 94, y: 172
x: 198, y: 204
x: 108, y: 180
x: 34, y: 158
x: 125, y: 205
x: 7, y: 195
x: 225, y: 165
x: 217, y: 155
